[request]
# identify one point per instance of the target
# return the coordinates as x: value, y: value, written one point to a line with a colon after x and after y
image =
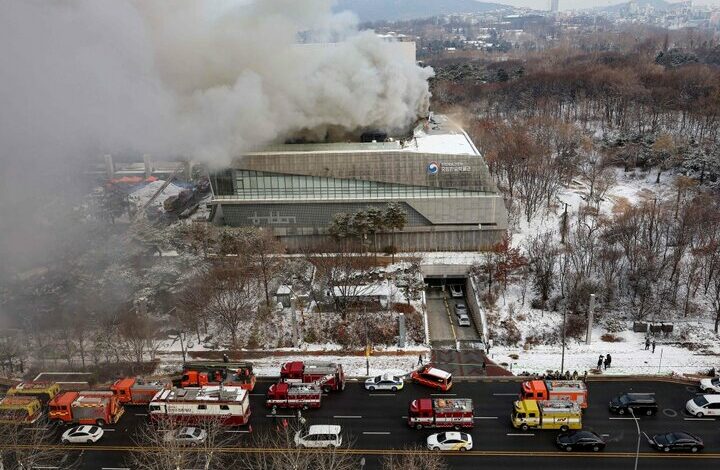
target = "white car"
x: 450, y: 441
x: 710, y: 385
x: 385, y: 382
x: 82, y: 435
x: 463, y: 320
x: 460, y: 308
x: 704, y: 405
x: 319, y: 435
x: 188, y: 436
x: 455, y: 290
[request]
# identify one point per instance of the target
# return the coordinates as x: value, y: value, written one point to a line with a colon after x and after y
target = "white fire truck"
x: 294, y: 395
x: 230, y: 405
x: 441, y: 413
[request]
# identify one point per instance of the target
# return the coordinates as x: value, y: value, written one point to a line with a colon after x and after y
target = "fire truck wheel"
x: 418, y: 426
x: 524, y: 427
x: 564, y: 428
x: 100, y: 422
x: 371, y: 388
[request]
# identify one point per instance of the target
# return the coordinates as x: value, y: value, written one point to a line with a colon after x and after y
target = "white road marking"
x: 281, y: 416
x: 622, y: 417
x: 486, y: 417
x: 505, y: 394
x: 140, y: 414
x: 45, y: 467
x: 376, y: 432
x: 404, y: 417
x: 35, y: 429
x: 518, y: 435
x: 115, y: 468
x: 347, y: 417
x: 241, y: 431
x: 605, y: 435
x: 381, y: 394
x: 699, y: 419
x: 443, y: 394
x: 108, y: 429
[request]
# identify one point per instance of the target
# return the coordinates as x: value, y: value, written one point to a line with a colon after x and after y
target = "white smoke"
x: 181, y: 79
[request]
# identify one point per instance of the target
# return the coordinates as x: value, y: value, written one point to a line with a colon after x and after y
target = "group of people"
x: 604, y: 361
x: 648, y: 344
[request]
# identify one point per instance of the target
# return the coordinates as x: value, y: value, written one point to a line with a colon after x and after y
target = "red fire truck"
x: 328, y: 375
x: 135, y: 391
x: 294, y: 395
x: 441, y: 413
x: 95, y: 407
x: 202, y: 373
x: 569, y: 390
x: 229, y: 405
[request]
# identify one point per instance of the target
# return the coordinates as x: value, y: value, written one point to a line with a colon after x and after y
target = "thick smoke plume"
x: 185, y: 78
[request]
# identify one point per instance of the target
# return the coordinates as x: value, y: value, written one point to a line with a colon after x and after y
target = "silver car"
x: 463, y: 320
x: 384, y: 382
x: 460, y: 308
x: 188, y: 436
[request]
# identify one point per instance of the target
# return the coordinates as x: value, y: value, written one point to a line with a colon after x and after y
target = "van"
x: 319, y: 435
x: 703, y: 405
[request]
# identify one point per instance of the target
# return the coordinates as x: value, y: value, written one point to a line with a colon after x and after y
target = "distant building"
x: 554, y: 6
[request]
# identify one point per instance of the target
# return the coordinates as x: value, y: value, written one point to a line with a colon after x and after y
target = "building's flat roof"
x: 438, y: 135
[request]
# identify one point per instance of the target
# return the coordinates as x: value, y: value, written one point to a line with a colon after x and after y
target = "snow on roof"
x: 143, y: 194
x: 364, y: 290
x: 438, y: 373
x: 283, y: 290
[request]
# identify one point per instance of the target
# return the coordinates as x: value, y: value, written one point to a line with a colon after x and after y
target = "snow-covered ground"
x: 142, y: 195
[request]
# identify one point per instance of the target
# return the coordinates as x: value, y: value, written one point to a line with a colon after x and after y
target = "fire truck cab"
x: 135, y: 391
x: 548, y: 414
x: 570, y: 390
x: 16, y: 409
x: 432, y: 377
x: 328, y: 375
x: 94, y: 407
x: 441, y: 413
x: 207, y: 373
x: 294, y: 395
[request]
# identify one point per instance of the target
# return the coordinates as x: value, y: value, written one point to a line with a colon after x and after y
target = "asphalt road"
x: 376, y: 423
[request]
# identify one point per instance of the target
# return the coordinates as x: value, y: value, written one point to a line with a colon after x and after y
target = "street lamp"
x: 637, y: 450
x: 562, y: 361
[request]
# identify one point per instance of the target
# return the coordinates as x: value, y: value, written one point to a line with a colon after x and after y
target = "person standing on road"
x: 600, y: 362
x: 647, y: 343
x: 420, y: 359
x: 608, y: 360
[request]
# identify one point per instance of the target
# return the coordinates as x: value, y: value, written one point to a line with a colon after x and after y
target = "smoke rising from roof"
x: 81, y: 78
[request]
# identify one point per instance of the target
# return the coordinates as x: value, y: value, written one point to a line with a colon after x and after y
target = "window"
x: 225, y: 407
x: 202, y: 407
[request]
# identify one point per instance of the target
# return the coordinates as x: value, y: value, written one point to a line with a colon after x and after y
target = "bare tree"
x: 264, y: 249
x: 413, y: 458
x: 24, y: 448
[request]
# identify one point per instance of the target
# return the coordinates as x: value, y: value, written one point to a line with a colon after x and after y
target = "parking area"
x: 442, y: 318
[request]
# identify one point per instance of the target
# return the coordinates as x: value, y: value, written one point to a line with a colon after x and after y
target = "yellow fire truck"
x: 546, y: 414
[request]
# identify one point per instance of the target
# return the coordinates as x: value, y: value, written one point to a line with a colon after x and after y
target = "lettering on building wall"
x: 433, y: 168
x: 273, y: 219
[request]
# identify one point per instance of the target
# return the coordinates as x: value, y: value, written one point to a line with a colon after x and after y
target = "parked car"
x: 679, y: 440
x: 580, y: 440
x: 639, y: 403
x: 188, y: 436
x: 460, y: 308
x: 463, y: 320
x: 82, y: 435
x: 703, y: 405
x: 319, y: 435
x: 456, y: 290
x: 710, y: 385
x: 450, y: 441
x: 385, y: 382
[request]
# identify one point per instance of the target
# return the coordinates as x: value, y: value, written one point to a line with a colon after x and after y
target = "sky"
x: 578, y: 4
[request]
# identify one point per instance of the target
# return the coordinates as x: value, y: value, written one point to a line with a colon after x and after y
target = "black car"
x: 639, y: 403
x: 680, y: 440
x: 580, y: 440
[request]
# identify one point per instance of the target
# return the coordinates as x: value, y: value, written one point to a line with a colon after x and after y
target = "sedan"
x: 460, y: 308
x: 456, y: 290
x: 82, y: 435
x: 463, y: 320
x: 580, y: 440
x: 450, y: 441
x: 384, y: 382
x: 710, y: 385
x: 186, y: 436
x: 679, y: 440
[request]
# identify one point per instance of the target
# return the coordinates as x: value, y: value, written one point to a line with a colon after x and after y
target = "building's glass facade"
x: 263, y: 185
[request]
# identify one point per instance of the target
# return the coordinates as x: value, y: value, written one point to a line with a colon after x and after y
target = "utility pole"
x: 637, y: 449
x: 591, y: 311
x: 562, y: 361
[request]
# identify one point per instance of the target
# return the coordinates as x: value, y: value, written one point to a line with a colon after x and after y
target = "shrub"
x: 537, y: 303
x: 514, y: 356
x: 613, y: 325
x: 403, y: 308
x: 511, y: 334
x: 611, y: 338
x: 576, y: 326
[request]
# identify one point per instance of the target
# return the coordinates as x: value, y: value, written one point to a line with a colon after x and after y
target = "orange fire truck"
x: 328, y: 375
x: 294, y: 395
x: 204, y: 373
x: 43, y: 391
x: 94, y: 407
x: 229, y: 405
x: 441, y: 413
x: 569, y: 390
x: 135, y: 391
x: 20, y: 410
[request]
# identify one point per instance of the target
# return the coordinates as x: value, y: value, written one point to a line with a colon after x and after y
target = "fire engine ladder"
x: 324, y: 379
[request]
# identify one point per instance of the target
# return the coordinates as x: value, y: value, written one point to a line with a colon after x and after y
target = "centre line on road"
x: 505, y: 394
x: 443, y: 394
x: 618, y: 417
x: 347, y: 417
x: 486, y: 417
x: 518, y: 435
x: 281, y: 416
x: 140, y: 414
x: 376, y: 432
x: 382, y: 394
x: 699, y: 419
